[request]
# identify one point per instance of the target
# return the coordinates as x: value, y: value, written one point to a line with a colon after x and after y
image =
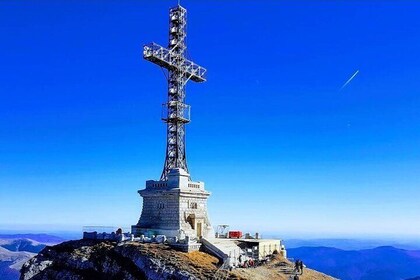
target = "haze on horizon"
x: 279, y: 145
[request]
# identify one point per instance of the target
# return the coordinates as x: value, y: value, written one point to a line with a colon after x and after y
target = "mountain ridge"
x: 38, y: 237
x: 384, y: 262
x: 352, y: 244
x: 99, y: 259
x: 16, y: 249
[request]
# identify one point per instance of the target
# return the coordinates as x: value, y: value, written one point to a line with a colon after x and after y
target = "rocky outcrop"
x: 90, y: 259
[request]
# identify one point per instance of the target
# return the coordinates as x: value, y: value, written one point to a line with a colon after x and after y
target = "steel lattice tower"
x: 175, y: 112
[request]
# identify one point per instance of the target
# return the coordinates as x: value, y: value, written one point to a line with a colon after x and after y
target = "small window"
x: 193, y: 205
x: 160, y: 205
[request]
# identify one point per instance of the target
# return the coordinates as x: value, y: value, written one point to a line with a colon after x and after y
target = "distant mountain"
x: 16, y: 249
x: 11, y: 262
x: 350, y: 244
x: 379, y: 263
x: 8, y: 273
x: 19, y: 245
x: 41, y: 238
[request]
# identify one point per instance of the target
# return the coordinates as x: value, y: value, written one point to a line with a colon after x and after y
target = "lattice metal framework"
x: 180, y: 70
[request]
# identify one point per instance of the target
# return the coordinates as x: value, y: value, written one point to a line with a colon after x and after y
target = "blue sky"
x: 280, y: 147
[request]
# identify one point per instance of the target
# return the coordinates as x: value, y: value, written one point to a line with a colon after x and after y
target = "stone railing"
x: 195, y: 186
x: 156, y: 184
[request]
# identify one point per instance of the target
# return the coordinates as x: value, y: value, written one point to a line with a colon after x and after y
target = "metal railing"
x: 166, y: 58
x: 106, y: 229
x: 173, y: 111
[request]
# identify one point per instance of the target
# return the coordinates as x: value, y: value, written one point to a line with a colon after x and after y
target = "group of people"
x: 299, y: 267
x: 247, y: 263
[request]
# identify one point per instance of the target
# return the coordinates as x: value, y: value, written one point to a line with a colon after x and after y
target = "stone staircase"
x: 223, y: 272
x: 224, y: 249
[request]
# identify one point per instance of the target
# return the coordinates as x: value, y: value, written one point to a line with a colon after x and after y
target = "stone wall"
x: 176, y: 207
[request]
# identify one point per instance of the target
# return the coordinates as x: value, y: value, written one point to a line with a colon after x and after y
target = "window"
x: 160, y: 205
x: 193, y: 205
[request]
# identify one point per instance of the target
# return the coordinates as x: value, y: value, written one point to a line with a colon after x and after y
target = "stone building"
x: 174, y: 207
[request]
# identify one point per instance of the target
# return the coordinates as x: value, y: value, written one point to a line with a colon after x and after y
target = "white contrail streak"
x: 349, y: 80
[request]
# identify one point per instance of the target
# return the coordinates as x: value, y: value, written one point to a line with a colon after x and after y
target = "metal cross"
x: 175, y: 112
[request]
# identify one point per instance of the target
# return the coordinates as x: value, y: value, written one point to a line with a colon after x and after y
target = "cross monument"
x: 175, y: 206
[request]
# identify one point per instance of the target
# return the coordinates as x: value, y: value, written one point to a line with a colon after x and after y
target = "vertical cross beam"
x: 180, y: 71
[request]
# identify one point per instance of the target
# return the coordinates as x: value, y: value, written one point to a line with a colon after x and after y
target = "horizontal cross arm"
x: 169, y: 60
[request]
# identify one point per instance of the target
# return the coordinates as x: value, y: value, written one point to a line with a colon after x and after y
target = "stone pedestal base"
x: 175, y: 208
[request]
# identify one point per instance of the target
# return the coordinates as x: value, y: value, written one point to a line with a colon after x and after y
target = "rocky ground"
x: 278, y: 268
x: 87, y: 259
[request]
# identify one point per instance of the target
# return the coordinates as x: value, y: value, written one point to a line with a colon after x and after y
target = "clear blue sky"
x: 280, y: 147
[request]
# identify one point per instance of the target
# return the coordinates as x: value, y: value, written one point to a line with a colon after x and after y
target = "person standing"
x: 297, y: 266
x: 301, y: 267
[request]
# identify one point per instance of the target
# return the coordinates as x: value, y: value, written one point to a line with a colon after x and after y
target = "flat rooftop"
x: 257, y: 240
x: 247, y: 240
